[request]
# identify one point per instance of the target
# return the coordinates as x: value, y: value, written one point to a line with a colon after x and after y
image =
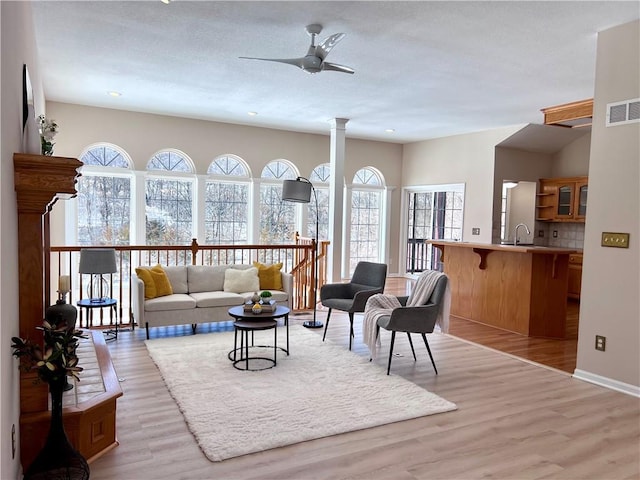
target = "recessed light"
x: 389, y: 130
x: 166, y: 2
x: 252, y: 114
x: 114, y: 94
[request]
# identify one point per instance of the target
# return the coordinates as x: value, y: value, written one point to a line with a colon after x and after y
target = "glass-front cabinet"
x: 564, y: 209
x: 562, y: 199
x: 582, y: 189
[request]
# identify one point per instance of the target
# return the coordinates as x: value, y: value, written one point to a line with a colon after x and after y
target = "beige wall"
x: 467, y: 159
x: 518, y: 165
x: 572, y: 160
x: 610, y: 280
x: 142, y: 135
x: 18, y: 48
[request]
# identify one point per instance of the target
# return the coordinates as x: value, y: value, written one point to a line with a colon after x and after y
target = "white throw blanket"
x: 380, y: 305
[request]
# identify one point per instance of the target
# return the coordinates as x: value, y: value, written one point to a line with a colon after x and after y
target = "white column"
x: 336, y: 199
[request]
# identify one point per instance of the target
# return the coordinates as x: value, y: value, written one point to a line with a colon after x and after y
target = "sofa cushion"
x: 206, y: 278
x: 269, y: 275
x: 217, y: 299
x: 178, y: 278
x: 241, y: 281
x: 177, y: 301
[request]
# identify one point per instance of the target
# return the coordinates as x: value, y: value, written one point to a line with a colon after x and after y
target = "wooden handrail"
x: 296, y: 258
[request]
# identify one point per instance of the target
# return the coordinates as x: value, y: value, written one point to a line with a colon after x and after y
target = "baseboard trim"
x: 607, y: 382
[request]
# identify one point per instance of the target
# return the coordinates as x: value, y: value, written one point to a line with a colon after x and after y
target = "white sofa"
x: 198, y: 297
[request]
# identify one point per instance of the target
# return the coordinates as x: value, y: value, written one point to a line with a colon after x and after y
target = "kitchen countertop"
x: 507, y: 248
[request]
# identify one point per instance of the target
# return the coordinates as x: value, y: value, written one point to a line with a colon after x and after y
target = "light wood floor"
x: 560, y: 354
x: 515, y: 420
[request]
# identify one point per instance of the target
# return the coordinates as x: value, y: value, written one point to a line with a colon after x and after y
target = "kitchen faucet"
x: 515, y: 235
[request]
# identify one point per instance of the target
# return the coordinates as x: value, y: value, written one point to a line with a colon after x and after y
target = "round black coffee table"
x: 238, y: 313
x: 244, y: 327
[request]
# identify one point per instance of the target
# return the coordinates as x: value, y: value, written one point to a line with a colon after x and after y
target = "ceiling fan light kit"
x: 314, y: 61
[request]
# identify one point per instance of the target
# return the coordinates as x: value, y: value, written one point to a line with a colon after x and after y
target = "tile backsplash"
x: 570, y: 235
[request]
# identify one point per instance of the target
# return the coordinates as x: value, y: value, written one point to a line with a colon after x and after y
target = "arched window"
x: 104, y: 196
x: 320, y: 177
x: 366, y: 222
x: 227, y: 201
x: 277, y: 218
x: 169, y: 199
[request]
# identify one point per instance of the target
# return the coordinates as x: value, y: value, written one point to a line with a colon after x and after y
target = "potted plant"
x: 53, y: 364
x: 265, y: 297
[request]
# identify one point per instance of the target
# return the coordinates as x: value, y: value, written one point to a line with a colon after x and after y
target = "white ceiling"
x: 426, y: 69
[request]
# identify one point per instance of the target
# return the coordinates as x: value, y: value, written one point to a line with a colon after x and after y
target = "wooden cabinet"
x: 575, y: 276
x: 562, y: 199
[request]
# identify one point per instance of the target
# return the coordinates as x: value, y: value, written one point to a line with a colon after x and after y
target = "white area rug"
x: 321, y: 389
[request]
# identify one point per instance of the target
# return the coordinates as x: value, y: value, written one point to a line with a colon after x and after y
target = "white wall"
x: 18, y: 48
x: 467, y: 159
x: 610, y: 280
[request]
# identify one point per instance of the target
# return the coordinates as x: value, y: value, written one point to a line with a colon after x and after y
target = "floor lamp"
x: 299, y: 190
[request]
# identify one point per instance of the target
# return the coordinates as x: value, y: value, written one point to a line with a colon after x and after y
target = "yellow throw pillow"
x: 144, y: 274
x: 156, y: 282
x: 269, y: 275
x: 163, y: 285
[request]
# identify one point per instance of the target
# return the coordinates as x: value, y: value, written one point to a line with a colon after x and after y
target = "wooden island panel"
x: 522, y: 289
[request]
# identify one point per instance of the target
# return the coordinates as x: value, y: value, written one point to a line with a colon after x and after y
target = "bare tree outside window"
x: 320, y: 177
x: 277, y: 218
x: 227, y: 203
x: 169, y: 201
x: 104, y: 201
x: 365, y: 217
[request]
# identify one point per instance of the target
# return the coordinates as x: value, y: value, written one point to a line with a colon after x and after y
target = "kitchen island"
x: 520, y: 288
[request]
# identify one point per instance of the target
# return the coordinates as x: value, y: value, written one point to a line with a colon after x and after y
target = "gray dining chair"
x: 368, y: 279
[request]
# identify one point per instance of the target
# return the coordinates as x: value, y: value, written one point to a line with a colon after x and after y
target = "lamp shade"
x: 98, y: 260
x: 296, y: 191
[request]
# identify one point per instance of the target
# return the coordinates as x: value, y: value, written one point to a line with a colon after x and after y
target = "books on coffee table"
x: 268, y: 307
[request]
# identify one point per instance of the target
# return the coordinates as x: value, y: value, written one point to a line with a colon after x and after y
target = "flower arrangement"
x: 57, y: 361
x: 48, y: 130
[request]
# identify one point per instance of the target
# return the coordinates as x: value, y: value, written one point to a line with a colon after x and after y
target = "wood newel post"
x: 194, y: 250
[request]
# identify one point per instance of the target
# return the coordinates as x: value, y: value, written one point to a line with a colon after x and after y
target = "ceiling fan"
x: 313, y: 61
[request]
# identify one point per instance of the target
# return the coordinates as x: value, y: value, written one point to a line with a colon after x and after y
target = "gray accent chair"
x: 421, y: 319
x: 368, y: 279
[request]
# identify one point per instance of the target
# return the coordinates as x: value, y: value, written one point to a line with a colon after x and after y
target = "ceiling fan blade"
x: 337, y: 68
x: 290, y: 61
x: 325, y: 47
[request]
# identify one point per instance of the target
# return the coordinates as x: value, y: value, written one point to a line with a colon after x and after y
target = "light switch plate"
x: 475, y: 231
x: 612, y: 239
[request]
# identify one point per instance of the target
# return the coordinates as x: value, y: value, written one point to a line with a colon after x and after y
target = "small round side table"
x: 91, y: 303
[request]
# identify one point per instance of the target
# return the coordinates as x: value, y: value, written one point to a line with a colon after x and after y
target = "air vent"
x: 622, y: 113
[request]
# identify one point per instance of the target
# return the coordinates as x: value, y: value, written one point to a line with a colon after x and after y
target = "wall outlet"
x: 475, y: 231
x: 601, y: 343
x: 555, y: 234
x: 541, y: 233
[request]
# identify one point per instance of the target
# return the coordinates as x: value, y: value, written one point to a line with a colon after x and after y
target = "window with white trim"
x: 433, y: 212
x: 366, y: 223
x: 104, y: 197
x: 227, y: 201
x: 169, y: 196
x: 277, y: 218
x: 320, y: 177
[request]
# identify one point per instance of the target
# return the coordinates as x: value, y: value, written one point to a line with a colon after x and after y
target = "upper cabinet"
x: 562, y: 199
